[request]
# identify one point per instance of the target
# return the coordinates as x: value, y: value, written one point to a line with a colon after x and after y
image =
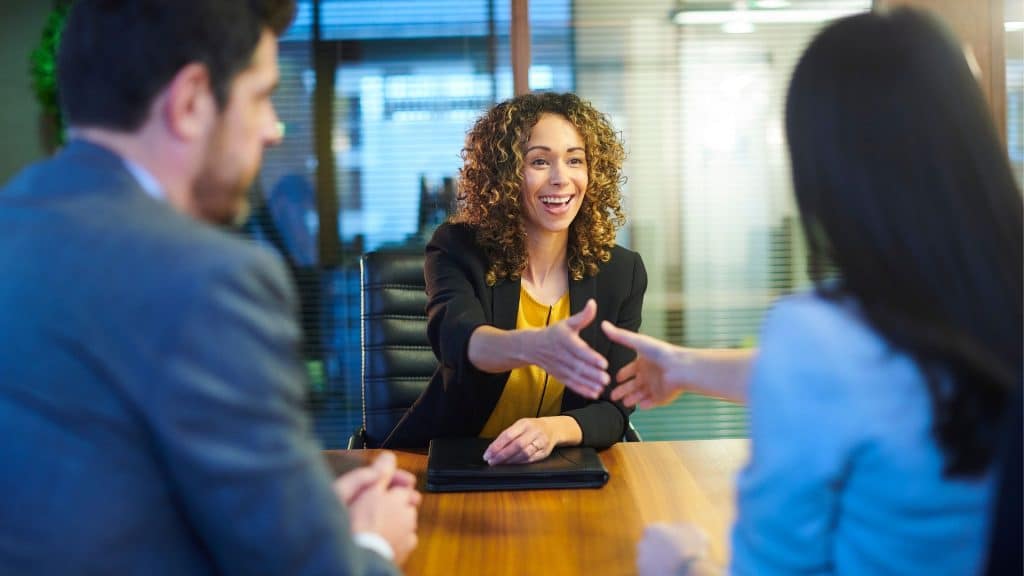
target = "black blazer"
x: 459, y: 399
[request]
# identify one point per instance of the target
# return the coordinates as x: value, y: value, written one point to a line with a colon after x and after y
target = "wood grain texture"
x: 587, y: 531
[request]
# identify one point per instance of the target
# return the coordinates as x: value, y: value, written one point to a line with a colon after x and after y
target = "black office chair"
x: 397, y: 361
x: 631, y: 435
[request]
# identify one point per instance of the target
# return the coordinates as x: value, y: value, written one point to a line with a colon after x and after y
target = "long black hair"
x: 906, y: 193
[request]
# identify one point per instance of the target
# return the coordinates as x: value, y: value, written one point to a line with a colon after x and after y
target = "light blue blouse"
x: 845, y: 476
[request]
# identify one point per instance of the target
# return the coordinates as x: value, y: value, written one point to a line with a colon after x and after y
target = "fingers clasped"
x: 382, y: 499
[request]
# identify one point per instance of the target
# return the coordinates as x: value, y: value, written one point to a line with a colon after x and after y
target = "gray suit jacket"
x: 151, y: 394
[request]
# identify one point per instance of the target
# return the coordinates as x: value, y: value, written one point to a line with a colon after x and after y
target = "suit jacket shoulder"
x: 160, y: 356
x: 459, y: 241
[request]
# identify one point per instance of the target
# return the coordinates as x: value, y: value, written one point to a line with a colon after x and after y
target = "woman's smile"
x: 555, y: 175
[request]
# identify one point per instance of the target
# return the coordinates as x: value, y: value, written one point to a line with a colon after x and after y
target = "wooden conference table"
x: 589, y: 531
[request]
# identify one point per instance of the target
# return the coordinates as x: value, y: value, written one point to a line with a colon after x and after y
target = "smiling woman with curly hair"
x: 518, y: 280
x: 490, y: 180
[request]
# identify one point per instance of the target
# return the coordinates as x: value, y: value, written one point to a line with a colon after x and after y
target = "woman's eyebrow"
x: 548, y: 148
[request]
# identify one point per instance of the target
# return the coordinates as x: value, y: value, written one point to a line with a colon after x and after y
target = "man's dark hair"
x: 116, y: 55
x: 906, y: 191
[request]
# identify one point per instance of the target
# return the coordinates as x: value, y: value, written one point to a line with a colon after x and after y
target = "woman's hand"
x: 655, y: 377
x: 662, y: 371
x: 561, y: 352
x: 556, y: 349
x: 532, y: 439
x: 673, y: 549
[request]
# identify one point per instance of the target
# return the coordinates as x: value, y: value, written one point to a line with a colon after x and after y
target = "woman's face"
x: 554, y: 176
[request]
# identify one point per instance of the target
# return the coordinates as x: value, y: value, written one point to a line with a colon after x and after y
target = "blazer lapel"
x: 579, y: 292
x: 505, y: 307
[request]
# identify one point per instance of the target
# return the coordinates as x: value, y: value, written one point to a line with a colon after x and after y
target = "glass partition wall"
x: 698, y: 89
x: 377, y: 95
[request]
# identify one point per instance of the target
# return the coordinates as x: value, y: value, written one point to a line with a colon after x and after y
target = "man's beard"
x: 219, y: 202
x: 220, y: 191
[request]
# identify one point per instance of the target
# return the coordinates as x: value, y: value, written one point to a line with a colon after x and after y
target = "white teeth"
x: 555, y: 200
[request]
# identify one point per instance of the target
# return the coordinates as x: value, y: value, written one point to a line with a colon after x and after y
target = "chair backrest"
x: 397, y: 361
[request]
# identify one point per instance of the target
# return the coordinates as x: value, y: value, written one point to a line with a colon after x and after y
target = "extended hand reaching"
x: 655, y: 377
x: 565, y: 356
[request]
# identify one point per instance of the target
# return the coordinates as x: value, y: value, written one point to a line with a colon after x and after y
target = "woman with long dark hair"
x: 876, y: 399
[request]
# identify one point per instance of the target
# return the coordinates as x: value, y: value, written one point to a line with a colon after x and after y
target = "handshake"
x: 658, y: 375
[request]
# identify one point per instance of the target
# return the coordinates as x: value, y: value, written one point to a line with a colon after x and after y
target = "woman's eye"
x: 577, y: 161
x: 538, y: 162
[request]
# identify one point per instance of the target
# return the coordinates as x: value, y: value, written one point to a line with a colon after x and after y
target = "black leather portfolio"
x: 457, y: 465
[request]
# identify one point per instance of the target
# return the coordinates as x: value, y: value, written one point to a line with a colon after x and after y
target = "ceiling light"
x: 683, y: 17
x: 738, y: 27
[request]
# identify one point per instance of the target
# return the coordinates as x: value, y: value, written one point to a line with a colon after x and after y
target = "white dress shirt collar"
x: 145, y: 179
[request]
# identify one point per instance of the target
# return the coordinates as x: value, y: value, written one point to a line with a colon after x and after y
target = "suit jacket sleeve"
x: 604, y: 422
x: 229, y: 425
x: 454, y: 310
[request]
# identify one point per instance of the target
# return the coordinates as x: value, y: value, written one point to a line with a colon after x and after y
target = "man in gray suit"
x: 151, y: 394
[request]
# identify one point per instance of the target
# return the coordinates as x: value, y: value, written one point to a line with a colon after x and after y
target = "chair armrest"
x: 357, y: 441
x: 631, y: 434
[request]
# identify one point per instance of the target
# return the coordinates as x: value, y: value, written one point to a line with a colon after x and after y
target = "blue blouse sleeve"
x: 800, y: 426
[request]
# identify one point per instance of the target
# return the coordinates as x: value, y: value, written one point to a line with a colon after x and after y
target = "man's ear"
x: 189, y: 107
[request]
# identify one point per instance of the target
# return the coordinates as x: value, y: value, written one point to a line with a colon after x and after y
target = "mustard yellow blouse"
x: 525, y: 391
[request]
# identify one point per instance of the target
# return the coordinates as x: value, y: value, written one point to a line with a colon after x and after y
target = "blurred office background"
x: 377, y: 95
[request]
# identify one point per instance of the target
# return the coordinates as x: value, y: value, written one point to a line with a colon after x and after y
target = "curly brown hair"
x: 491, y: 178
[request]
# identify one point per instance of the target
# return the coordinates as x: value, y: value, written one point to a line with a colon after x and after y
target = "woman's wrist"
x: 564, y: 430
x: 495, y: 350
x: 530, y: 342
x: 722, y: 373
